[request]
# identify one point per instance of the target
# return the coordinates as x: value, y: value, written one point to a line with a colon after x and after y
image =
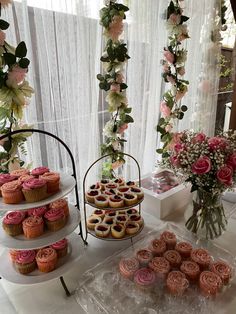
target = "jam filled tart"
x: 101, y: 200
x: 122, y: 219
x: 90, y: 195
x: 130, y: 183
x: 137, y: 191
x: 111, y: 185
x: 123, y: 189
x: 110, y: 192
x: 132, y: 227
x: 99, y: 212
x: 109, y: 221
x: 116, y: 201
x: 95, y: 186
x: 103, y: 183
x: 130, y: 199
x: 136, y: 218
x: 102, y: 230
x: 132, y: 211
x: 119, y: 181
x: 93, y: 221
x: 118, y: 231
x: 110, y: 213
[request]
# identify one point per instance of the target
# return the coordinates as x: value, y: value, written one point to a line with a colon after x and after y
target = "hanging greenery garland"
x: 175, y: 56
x: 112, y: 81
x: 14, y: 96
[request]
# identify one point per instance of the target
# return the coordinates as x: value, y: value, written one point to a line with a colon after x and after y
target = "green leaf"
x: 180, y: 115
x: 104, y: 59
x: 4, y: 24
x: 165, y: 155
x: 10, y: 59
x: 160, y: 129
x: 7, y: 146
x: 183, y: 19
x: 100, y: 77
x: 127, y: 110
x: 184, y: 108
x: 21, y: 50
x: 159, y: 150
x: 123, y: 86
x: 161, y: 121
x: 24, y: 63
x: 128, y: 119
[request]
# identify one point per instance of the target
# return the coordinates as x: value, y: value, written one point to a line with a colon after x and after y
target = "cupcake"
x: 12, y: 192
x: 145, y: 278
x: 128, y: 267
x: 55, y: 219
x: 184, y: 249
x: 157, y: 247
x: 24, y: 178
x: 13, y: 254
x: 20, y: 172
x: 46, y: 259
x: 177, y: 283
x: 61, y: 203
x: 160, y: 266
x: 12, y: 223
x: 173, y: 257
x: 53, y: 181
x: 222, y: 269
x: 39, y: 171
x: 5, y: 178
x: 34, y: 190
x: 33, y: 227
x: 210, y: 283
x: 144, y: 256
x: 61, y: 247
x: 169, y: 238
x: 201, y: 257
x: 191, y: 270
x: 38, y: 211
x: 25, y: 261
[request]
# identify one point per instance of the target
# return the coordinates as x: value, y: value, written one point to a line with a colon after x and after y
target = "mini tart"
x: 131, y: 211
x: 136, y: 218
x: 111, y: 185
x: 109, y: 221
x: 110, y: 213
x: 93, y: 221
x: 95, y: 187
x: 90, y: 195
x: 130, y: 199
x: 116, y: 201
x: 130, y: 183
x: 144, y: 256
x: 102, y: 230
x: 137, y: 191
x: 122, y: 219
x: 122, y: 212
x: 123, y: 189
x: 110, y: 192
x: 119, y: 181
x: 101, y: 201
x: 99, y: 212
x: 118, y: 231
x: 132, y: 228
x: 103, y: 183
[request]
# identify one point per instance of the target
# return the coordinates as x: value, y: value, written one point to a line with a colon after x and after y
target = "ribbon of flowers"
x: 14, y: 96
x: 175, y: 56
x: 112, y: 81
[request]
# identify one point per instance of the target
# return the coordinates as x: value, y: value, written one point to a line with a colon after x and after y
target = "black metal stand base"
x: 65, y: 287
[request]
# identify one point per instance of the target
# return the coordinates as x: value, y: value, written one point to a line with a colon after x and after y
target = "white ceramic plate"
x: 75, y: 251
x: 67, y: 183
x: 48, y: 237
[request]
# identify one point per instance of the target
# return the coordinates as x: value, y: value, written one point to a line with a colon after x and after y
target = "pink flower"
x: 174, y: 160
x: 117, y: 164
x: 169, y: 127
x: 166, y: 67
x: 5, y: 3
x: 175, y: 140
x: 224, y: 175
x: 178, y: 147
x: 181, y: 71
x: 165, y: 110
x: 180, y: 94
x: 115, y: 87
x: 217, y: 142
x: 119, y: 78
x: 199, y: 138
x: 202, y: 165
x: 175, y: 19
x: 169, y: 56
x: 122, y: 128
x: 2, y: 38
x: 16, y: 76
x: 116, y: 27
x: 170, y: 79
x: 231, y: 161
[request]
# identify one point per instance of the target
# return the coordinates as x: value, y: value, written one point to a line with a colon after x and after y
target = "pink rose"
x: 165, y: 110
x: 115, y: 27
x: 169, y: 56
x: 217, y: 142
x: 224, y: 175
x: 231, y: 161
x: 115, y: 87
x: 202, y: 165
x: 169, y: 127
x: 2, y: 38
x: 178, y: 147
x: 122, y: 128
x: 181, y: 71
x: 16, y: 76
x: 175, y: 19
x: 166, y: 68
x: 174, y: 160
x: 170, y: 79
x: 199, y: 138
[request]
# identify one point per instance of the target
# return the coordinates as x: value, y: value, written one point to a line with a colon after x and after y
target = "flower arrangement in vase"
x: 209, y: 164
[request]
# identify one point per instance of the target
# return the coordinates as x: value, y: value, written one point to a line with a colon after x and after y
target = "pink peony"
x: 174, y: 19
x: 2, y: 38
x: 122, y: 128
x: 165, y: 110
x: 224, y: 175
x: 199, y: 138
x: 202, y: 165
x: 169, y: 56
x: 119, y: 78
x: 116, y: 27
x: 115, y: 87
x: 170, y: 79
x: 16, y: 76
x: 231, y: 161
x: 217, y: 142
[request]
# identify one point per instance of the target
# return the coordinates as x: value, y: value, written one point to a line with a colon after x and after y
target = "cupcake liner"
x: 46, y: 267
x: 33, y: 232
x: 35, y: 195
x: 13, y: 229
x: 25, y: 268
x: 56, y: 225
x: 14, y: 197
x: 53, y: 187
x: 62, y: 252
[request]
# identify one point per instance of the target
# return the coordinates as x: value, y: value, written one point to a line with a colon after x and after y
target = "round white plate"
x: 75, y: 251
x: 67, y: 183
x: 48, y: 237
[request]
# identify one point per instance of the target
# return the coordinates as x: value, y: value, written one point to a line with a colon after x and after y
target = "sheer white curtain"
x: 64, y: 41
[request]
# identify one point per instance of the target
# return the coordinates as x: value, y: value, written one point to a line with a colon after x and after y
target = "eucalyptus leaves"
x: 113, y: 82
x: 173, y: 71
x: 14, y: 94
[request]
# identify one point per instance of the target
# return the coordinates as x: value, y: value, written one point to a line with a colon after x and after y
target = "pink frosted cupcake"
x: 12, y: 223
x: 39, y: 171
x: 13, y: 254
x: 24, y: 178
x: 46, y: 259
x: 144, y: 256
x: 20, y: 172
x: 33, y: 227
x: 35, y: 190
x: 128, y: 267
x: 145, y: 278
x: 37, y: 211
x: 61, y: 203
x: 53, y: 181
x: 25, y: 261
x: 61, y: 247
x: 5, y: 178
x: 12, y: 192
x: 55, y: 219
x: 169, y: 238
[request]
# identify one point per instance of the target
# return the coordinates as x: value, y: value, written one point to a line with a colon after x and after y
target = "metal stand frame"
x: 73, y: 174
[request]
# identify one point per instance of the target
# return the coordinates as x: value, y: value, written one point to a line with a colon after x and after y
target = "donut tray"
x: 103, y: 290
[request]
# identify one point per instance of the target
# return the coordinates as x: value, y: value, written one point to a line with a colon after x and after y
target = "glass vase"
x: 208, y: 219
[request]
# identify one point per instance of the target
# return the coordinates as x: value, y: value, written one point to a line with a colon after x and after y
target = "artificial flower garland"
x: 173, y: 70
x: 113, y: 82
x: 14, y: 94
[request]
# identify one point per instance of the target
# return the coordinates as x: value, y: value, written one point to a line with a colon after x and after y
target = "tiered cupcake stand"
x: 67, y: 184
x: 87, y: 204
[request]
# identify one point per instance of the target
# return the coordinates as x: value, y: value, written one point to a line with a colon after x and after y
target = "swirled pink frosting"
x: 11, y: 186
x: 39, y: 171
x: 145, y: 277
x: 24, y: 178
x: 38, y: 211
x: 33, y: 184
x: 6, y: 177
x: 54, y: 214
x: 32, y: 221
x: 19, y: 172
x: 14, y: 218
x: 25, y: 257
x: 46, y: 255
x: 51, y: 176
x: 60, y: 244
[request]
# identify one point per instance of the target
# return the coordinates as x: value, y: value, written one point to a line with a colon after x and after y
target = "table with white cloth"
x: 49, y: 297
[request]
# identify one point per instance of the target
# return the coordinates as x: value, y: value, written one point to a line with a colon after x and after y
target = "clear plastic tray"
x: 103, y: 290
